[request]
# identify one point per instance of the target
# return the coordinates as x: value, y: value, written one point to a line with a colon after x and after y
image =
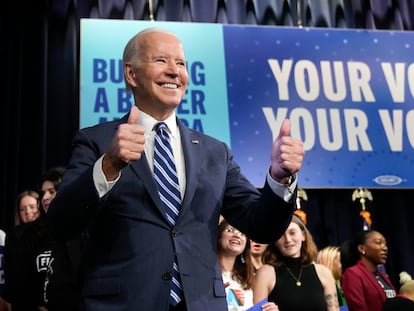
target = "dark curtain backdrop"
x: 40, y: 52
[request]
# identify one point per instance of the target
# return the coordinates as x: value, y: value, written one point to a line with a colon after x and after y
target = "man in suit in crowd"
x: 109, y: 187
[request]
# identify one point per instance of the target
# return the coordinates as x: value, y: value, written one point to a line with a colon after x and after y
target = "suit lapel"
x: 192, y: 144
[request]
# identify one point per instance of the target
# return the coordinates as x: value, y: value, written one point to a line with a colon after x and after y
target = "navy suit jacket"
x: 361, y: 289
x: 132, y: 245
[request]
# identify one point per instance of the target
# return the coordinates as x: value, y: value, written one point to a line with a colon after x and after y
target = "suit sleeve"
x: 77, y: 202
x: 262, y: 215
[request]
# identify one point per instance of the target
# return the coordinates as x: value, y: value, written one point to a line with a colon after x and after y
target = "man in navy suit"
x: 109, y: 188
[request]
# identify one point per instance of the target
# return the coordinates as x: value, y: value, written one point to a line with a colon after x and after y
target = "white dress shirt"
x: 148, y: 122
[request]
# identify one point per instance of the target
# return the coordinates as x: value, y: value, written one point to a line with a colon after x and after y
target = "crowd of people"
x: 289, y: 274
x: 293, y: 274
x: 296, y: 275
x: 151, y: 215
x: 38, y: 272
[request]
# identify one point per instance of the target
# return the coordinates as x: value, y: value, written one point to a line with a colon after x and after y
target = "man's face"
x: 161, y: 76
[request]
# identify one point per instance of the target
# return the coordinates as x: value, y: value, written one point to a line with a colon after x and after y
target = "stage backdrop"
x: 348, y: 93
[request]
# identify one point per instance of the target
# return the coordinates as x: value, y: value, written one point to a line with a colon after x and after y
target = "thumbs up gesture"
x: 287, y: 155
x: 127, y: 145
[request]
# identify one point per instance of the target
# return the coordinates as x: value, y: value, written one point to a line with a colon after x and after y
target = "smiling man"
x: 150, y: 191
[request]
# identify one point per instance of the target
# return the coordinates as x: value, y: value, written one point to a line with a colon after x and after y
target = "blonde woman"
x: 330, y: 257
x: 28, y: 207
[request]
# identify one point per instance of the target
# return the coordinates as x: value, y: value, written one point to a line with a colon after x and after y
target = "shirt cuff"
x: 284, y: 191
x: 101, y: 184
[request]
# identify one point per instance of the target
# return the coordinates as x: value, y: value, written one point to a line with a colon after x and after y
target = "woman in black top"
x: 291, y: 279
x: 32, y: 254
x: 22, y: 285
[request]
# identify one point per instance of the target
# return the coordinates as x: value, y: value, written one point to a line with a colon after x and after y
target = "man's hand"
x: 127, y: 145
x: 287, y: 155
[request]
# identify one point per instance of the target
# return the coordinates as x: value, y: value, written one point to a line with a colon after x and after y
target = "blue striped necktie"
x: 165, y: 175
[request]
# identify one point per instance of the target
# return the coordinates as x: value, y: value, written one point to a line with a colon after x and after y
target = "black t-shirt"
x: 65, y: 275
x: 41, y: 271
x: 27, y: 255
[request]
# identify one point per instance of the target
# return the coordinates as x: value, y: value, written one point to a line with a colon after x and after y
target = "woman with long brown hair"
x: 291, y: 279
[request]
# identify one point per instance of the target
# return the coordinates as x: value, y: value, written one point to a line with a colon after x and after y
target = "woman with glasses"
x: 236, y: 268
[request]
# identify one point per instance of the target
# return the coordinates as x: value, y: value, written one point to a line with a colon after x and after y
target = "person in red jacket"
x: 365, y: 286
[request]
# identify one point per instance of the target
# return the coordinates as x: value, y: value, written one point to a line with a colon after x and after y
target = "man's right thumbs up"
x: 133, y: 115
x: 284, y: 128
x: 127, y: 145
x: 286, y: 155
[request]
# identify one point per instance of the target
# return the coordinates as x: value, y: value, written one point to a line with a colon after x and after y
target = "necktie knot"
x: 160, y: 126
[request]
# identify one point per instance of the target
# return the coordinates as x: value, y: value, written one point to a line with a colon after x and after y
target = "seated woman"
x: 292, y: 280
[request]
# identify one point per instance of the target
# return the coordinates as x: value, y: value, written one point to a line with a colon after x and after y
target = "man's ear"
x: 129, y: 74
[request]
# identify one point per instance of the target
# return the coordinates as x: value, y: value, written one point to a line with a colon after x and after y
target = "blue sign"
x: 348, y: 93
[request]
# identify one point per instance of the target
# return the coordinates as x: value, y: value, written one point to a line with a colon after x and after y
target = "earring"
x: 363, y: 252
x: 242, y: 258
